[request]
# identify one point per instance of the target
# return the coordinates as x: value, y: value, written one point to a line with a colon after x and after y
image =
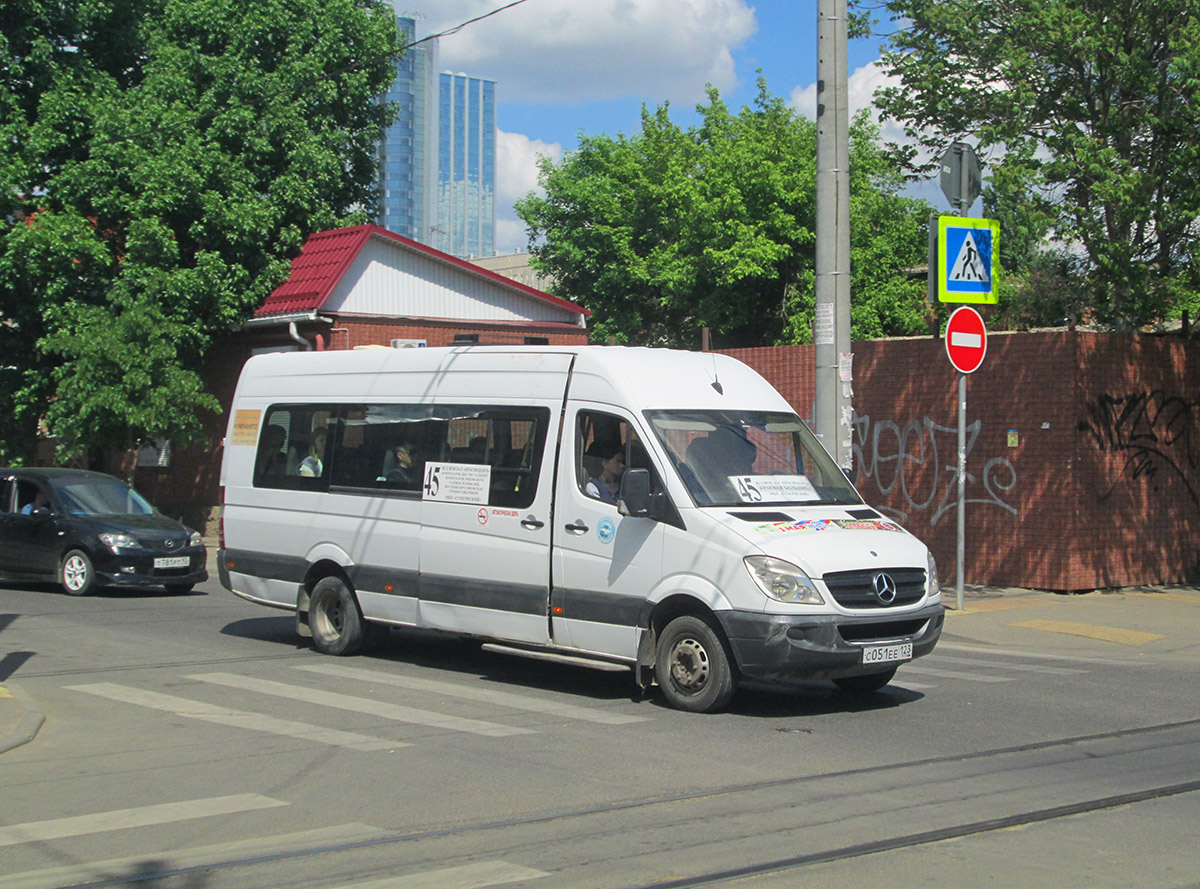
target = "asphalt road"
x: 194, y: 741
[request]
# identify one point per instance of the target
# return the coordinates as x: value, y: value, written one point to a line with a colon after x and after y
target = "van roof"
x: 645, y: 378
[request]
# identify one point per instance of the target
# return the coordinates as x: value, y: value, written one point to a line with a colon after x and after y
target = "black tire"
x: 76, y: 573
x: 693, y: 667
x: 178, y: 589
x: 335, y: 620
x: 864, y: 685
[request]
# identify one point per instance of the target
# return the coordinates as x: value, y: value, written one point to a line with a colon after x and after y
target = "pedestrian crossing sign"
x: 965, y: 260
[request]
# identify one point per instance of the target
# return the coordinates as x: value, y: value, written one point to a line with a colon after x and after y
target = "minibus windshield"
x: 744, y: 458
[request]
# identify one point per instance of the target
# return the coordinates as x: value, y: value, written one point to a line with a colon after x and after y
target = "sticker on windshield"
x: 774, y: 488
x: 826, y: 525
x: 793, y: 527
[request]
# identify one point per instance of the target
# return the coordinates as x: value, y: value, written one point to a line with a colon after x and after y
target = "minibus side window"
x: 606, y: 445
x: 294, y: 447
x: 384, y: 446
x: 510, y: 440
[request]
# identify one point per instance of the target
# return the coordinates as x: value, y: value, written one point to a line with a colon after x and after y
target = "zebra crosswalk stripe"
x: 483, y: 695
x: 142, y: 816
x: 467, y: 876
x: 236, y: 718
x: 381, y: 709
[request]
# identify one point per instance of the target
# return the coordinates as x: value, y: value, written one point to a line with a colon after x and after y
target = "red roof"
x: 326, y: 256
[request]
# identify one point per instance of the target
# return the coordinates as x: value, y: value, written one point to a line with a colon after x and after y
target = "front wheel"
x: 76, y: 573
x: 336, y: 623
x: 693, y: 667
x: 861, y: 685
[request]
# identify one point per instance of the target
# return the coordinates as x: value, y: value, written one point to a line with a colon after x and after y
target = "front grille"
x: 159, y: 544
x: 856, y: 589
x: 877, y: 632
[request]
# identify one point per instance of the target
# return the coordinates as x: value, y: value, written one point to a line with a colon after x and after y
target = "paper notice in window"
x: 457, y: 483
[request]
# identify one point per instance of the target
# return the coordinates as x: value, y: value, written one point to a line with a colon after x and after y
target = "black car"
x: 87, y: 529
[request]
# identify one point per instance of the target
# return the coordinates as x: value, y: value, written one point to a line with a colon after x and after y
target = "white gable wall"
x: 391, y: 280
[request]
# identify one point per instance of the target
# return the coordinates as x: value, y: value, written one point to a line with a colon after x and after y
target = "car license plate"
x: 172, y: 562
x: 885, y: 654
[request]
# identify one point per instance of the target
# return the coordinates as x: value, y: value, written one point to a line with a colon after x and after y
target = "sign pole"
x: 966, y: 346
x: 962, y: 490
x: 965, y: 199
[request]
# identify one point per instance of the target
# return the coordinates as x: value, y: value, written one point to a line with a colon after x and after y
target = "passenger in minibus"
x: 606, y: 485
x: 313, y: 466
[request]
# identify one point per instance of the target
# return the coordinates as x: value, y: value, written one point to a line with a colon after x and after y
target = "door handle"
x: 577, y: 527
x: 532, y: 523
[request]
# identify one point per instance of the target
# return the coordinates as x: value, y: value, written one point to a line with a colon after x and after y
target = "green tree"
x: 671, y: 230
x: 1097, y: 102
x: 161, y: 161
x: 889, y: 240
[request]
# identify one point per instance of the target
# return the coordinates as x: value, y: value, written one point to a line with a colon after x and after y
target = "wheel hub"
x: 689, y: 664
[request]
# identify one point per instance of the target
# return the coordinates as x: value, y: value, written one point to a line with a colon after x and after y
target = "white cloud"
x: 571, y: 51
x: 861, y: 87
x: 516, y: 176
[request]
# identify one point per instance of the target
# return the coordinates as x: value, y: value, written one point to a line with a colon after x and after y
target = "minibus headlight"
x: 783, y: 581
x: 935, y: 585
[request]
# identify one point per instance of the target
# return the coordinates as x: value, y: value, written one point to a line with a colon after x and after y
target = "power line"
x: 458, y: 28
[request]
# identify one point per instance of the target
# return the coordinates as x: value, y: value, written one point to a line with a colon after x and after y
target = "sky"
x: 566, y: 67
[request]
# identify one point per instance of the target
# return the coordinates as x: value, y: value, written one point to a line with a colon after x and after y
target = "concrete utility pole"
x: 831, y: 331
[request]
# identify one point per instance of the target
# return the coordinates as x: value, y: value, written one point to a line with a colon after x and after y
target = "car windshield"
x: 100, y: 497
x: 741, y: 458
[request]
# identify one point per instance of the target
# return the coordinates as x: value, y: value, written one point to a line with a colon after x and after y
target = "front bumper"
x: 127, y: 569
x: 789, y: 648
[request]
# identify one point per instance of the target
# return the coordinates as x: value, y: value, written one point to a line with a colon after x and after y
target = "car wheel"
x: 862, y: 685
x: 693, y: 667
x: 336, y: 622
x: 178, y: 589
x: 76, y: 573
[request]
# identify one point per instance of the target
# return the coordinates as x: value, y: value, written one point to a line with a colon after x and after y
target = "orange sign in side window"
x: 245, y: 427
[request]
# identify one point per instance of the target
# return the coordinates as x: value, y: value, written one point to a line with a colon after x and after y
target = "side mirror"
x: 636, y: 499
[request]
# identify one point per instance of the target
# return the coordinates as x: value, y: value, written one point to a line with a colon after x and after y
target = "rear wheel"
x: 693, y: 667
x: 337, y: 624
x: 861, y: 685
x: 76, y: 573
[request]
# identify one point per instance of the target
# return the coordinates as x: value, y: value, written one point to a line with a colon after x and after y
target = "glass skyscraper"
x: 466, y: 208
x: 437, y: 162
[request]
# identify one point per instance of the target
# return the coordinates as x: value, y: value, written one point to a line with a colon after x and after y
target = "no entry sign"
x: 966, y: 340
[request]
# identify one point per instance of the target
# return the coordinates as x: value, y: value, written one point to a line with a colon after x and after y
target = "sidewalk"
x: 1135, y: 621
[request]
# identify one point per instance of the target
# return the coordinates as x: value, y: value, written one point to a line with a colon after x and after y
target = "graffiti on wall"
x: 1156, y: 433
x: 920, y: 461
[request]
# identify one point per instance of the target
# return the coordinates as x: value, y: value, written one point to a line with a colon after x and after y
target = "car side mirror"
x: 636, y: 499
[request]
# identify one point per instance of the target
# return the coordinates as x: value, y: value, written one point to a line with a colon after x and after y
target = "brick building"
x: 356, y: 288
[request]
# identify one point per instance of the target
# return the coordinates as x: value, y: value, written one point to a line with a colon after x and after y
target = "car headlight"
x: 935, y: 584
x: 783, y: 581
x: 119, y: 541
x: 195, y: 539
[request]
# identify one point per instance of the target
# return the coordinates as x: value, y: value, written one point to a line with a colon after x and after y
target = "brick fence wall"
x: 1083, y: 458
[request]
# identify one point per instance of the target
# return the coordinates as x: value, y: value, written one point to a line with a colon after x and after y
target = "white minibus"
x: 659, y: 509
